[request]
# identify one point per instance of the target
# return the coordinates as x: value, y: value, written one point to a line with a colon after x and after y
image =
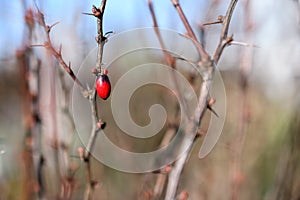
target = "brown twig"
x: 97, y: 123
x: 162, y: 177
x: 68, y: 179
x: 208, y: 15
x: 27, y: 154
x: 204, y: 55
x: 224, y: 39
x: 90, y: 94
x: 171, y: 131
x: 29, y: 70
x: 170, y: 60
x: 56, y: 53
x: 208, y: 67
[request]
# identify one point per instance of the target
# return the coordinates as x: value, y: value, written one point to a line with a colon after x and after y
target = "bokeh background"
x: 257, y: 156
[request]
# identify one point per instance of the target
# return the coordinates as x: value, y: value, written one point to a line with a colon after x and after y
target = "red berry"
x: 103, y: 86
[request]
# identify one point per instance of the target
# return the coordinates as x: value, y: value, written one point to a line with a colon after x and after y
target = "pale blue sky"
x: 277, y: 31
x: 119, y: 16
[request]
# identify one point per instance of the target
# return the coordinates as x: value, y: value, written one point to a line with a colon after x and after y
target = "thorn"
x: 107, y: 33
x: 189, y: 61
x: 243, y: 44
x: 212, y: 110
x: 219, y: 21
x: 212, y: 23
x: 87, y: 13
x: 50, y: 27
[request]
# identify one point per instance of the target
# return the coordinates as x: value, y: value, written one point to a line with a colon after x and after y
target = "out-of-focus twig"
x: 238, y: 143
x: 29, y: 70
x: 27, y: 155
x: 90, y: 94
x: 68, y: 180
x: 171, y: 131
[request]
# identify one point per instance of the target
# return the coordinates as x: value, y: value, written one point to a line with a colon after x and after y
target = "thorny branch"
x: 209, y: 65
x: 97, y: 124
x: 171, y: 131
x: 224, y: 39
x: 56, y: 53
x: 189, y: 29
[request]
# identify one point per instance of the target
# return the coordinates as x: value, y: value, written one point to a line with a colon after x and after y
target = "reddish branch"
x: 27, y: 155
x: 54, y: 52
x: 29, y: 71
x: 97, y: 124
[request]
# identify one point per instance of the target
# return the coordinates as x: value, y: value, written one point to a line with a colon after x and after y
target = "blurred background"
x: 258, y: 154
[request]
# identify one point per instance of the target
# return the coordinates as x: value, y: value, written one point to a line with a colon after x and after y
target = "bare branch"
x: 101, y: 39
x: 57, y: 54
x: 97, y: 124
x: 190, y: 31
x: 193, y: 124
x: 212, y: 23
x: 170, y: 60
x: 224, y: 32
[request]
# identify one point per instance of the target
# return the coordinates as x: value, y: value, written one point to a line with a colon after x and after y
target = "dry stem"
x: 56, y: 53
x: 97, y: 124
x: 90, y: 94
x: 29, y: 71
x: 171, y: 131
x: 209, y: 66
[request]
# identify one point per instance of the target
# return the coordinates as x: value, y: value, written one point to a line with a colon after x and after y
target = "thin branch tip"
x: 51, y: 26
x: 244, y: 44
